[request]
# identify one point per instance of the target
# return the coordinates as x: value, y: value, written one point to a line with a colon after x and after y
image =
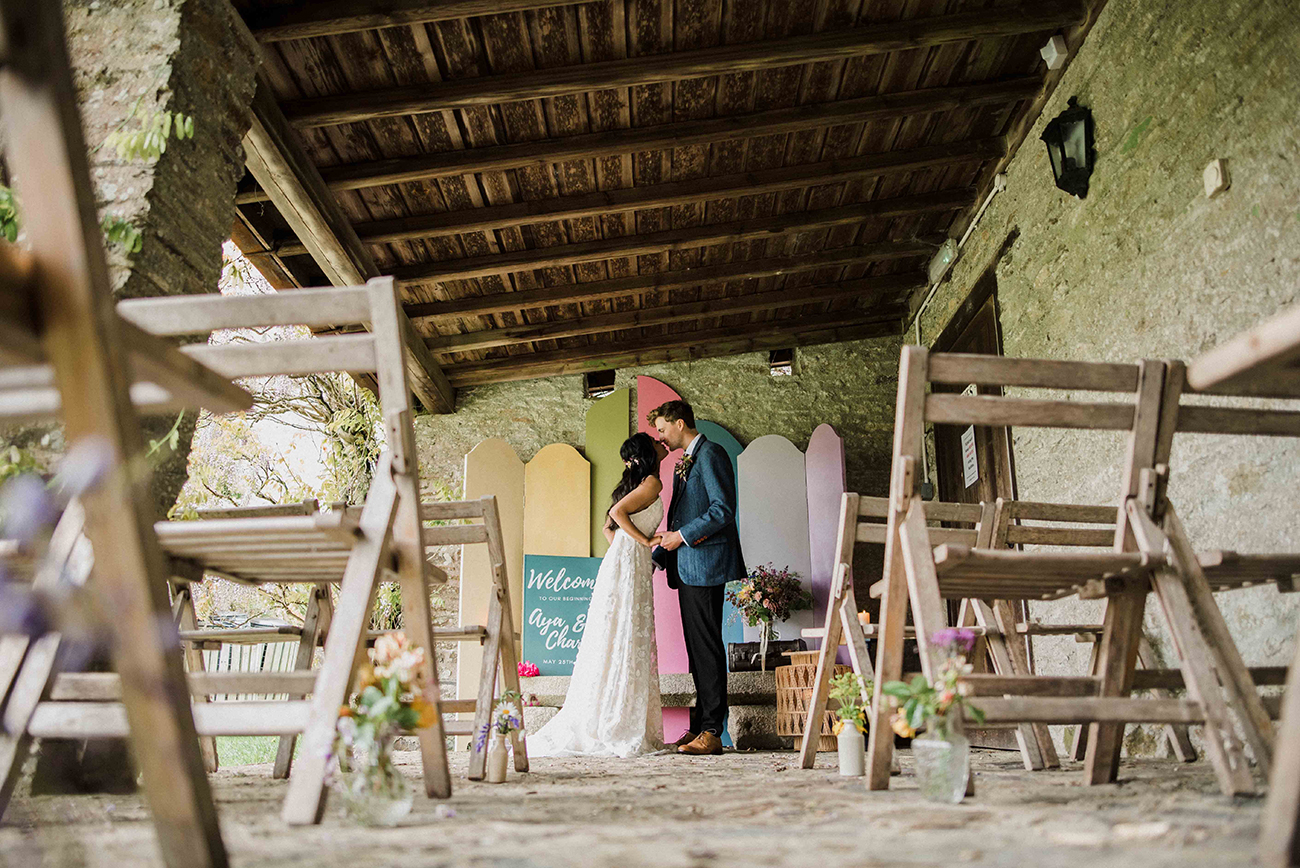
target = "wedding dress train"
x: 613, y: 707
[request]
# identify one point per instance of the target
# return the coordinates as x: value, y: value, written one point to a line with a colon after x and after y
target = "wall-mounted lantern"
x: 1069, y: 147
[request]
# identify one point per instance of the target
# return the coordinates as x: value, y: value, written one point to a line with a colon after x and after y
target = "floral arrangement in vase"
x: 388, y: 702
x: 506, y: 719
x: 940, y: 706
x: 850, y: 723
x: 768, y: 595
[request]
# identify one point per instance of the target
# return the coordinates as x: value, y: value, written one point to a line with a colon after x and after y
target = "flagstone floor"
x: 741, y: 809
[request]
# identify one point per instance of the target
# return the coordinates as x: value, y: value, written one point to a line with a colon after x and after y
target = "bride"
x: 613, y: 708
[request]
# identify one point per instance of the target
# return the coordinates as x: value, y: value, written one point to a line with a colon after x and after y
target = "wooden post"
x: 311, y: 624
x: 1279, y: 840
x: 187, y: 619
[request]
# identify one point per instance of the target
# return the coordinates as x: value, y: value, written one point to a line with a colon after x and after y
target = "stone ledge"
x: 676, y: 689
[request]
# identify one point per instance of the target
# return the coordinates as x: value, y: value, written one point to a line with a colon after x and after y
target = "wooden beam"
x: 683, y: 346
x: 277, y: 159
x: 657, y: 316
x: 500, y: 158
x: 696, y: 236
x: 602, y: 290
x: 872, y: 39
x: 332, y: 17
x: 665, y: 195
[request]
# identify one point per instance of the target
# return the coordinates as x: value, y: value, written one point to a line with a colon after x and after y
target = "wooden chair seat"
x: 1006, y: 574
x: 1225, y: 570
x: 305, y: 548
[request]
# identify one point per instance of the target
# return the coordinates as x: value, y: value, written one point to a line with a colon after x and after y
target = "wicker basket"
x: 794, y: 688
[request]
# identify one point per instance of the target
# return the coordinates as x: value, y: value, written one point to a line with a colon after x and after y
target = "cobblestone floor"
x: 741, y: 809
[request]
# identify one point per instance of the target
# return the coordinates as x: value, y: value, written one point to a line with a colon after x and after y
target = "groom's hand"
x: 671, y: 540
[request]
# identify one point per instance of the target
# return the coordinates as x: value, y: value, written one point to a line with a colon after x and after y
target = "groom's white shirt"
x: 689, y: 451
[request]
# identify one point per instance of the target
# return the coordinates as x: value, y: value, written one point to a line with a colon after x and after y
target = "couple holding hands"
x: 613, y: 706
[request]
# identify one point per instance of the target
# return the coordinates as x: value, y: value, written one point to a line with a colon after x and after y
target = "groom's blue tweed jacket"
x: 703, y: 511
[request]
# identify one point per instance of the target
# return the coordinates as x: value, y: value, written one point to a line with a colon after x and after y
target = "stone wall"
x: 1148, y: 267
x: 132, y: 59
x: 850, y: 385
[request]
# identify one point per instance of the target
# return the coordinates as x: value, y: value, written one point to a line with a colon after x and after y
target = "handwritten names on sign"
x: 557, y: 592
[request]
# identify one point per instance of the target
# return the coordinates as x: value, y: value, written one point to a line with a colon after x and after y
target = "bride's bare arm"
x: 633, y: 502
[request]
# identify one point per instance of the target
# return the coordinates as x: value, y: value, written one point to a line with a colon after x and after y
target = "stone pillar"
x: 132, y: 59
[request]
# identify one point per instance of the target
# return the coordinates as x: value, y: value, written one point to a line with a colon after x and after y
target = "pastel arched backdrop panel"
x: 650, y: 393
x: 557, y: 503
x: 773, y: 495
x: 491, y: 467
x: 824, y: 464
x: 607, y: 424
x: 732, y: 631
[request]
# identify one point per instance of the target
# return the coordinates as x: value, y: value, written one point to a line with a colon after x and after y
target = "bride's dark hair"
x: 642, y: 461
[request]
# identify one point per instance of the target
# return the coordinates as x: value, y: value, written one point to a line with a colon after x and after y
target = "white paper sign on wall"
x: 969, y: 460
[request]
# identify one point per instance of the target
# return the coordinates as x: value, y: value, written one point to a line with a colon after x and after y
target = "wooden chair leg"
x: 1026, y: 736
x: 1180, y: 742
x: 1117, y: 653
x: 1079, y: 745
x: 1279, y: 840
x: 32, y: 685
x: 889, y: 667
x: 187, y: 619
x: 302, y: 662
x: 817, y: 704
x: 486, y: 687
x: 305, y: 802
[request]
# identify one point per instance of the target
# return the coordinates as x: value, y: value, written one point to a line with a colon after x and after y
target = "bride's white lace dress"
x: 613, y: 706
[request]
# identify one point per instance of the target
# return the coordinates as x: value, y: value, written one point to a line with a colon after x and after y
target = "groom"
x: 701, y: 553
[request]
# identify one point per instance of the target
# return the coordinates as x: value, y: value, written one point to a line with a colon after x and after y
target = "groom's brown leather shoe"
x: 705, y: 744
x: 686, y: 739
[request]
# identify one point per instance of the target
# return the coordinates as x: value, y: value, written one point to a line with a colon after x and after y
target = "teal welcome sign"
x: 557, y: 591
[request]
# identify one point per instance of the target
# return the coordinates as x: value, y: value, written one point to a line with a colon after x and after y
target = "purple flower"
x: 954, y: 639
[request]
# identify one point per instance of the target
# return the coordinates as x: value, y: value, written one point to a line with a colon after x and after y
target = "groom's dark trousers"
x: 702, y: 628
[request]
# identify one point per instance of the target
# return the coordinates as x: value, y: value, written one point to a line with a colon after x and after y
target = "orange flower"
x: 425, y: 709
x: 345, y: 711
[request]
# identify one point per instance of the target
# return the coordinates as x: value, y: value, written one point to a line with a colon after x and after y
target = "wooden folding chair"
x: 1008, y: 658
x: 1150, y: 554
x: 352, y: 550
x: 1264, y: 361
x: 497, y: 636
x: 64, y: 353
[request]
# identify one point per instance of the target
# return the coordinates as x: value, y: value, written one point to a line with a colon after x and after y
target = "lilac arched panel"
x: 773, y: 493
x: 824, y: 462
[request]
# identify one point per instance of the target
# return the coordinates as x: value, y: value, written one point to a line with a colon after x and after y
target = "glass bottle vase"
x: 942, y: 755
x: 373, y: 791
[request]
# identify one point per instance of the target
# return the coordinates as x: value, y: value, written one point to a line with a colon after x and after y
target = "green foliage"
x: 171, y: 439
x: 120, y: 231
x: 8, y: 214
x: 387, y: 614
x: 148, y: 139
x: 15, y: 462
x: 846, y: 689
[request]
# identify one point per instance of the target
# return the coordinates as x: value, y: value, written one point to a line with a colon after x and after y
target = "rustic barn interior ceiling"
x: 566, y: 187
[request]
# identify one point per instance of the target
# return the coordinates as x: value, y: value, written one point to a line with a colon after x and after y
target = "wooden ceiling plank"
x: 276, y: 158
x: 641, y: 283
x: 730, y: 340
x: 332, y: 17
x: 680, y: 65
x: 676, y: 239
x: 861, y: 291
x: 715, y: 131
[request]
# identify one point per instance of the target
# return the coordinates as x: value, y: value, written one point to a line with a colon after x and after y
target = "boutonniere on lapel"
x: 683, y: 468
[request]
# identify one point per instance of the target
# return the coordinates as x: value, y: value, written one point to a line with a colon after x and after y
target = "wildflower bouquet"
x: 506, y: 718
x: 943, y: 703
x: 846, y: 689
x: 768, y: 595
x: 388, y: 701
